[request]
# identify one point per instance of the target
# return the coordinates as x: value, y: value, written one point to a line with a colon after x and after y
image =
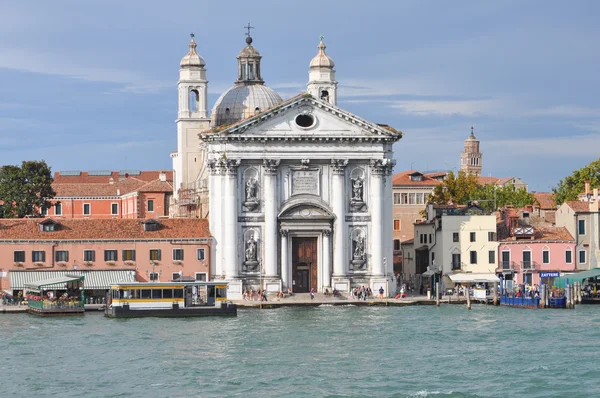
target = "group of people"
x: 527, y: 291
x: 361, y: 293
x: 261, y: 294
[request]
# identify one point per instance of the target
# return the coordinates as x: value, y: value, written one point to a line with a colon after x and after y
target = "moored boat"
x: 168, y: 299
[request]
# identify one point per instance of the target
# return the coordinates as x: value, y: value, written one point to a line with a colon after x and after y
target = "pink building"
x: 106, y: 251
x: 525, y: 250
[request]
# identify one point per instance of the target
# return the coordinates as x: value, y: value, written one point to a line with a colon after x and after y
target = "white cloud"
x: 565, y: 111
x: 584, y: 145
x: 34, y: 61
x: 451, y: 108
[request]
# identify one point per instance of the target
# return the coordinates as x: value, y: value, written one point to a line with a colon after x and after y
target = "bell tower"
x: 192, y: 118
x: 321, y: 76
x: 471, y: 158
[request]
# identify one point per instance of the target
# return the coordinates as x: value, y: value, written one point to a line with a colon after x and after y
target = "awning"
x: 55, y: 283
x: 93, y: 279
x: 467, y: 277
x: 576, y: 277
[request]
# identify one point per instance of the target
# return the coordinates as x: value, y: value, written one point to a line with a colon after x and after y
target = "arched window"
x: 325, y: 95
x: 194, y: 99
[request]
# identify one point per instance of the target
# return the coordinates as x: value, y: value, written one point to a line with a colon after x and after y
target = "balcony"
x: 507, y: 266
x: 529, y: 265
x: 523, y: 232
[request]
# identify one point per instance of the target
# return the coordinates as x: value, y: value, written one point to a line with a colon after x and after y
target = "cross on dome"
x: 249, y: 38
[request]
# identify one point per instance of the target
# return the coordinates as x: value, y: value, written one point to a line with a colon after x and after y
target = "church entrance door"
x: 304, y: 264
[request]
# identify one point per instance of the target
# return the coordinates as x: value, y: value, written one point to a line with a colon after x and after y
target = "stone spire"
x: 192, y: 59
x: 471, y: 158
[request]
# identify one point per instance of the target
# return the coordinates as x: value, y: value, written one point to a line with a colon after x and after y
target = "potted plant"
x: 18, y: 264
x: 129, y: 262
x: 88, y: 263
x: 61, y: 264
x: 38, y: 264
x: 110, y: 263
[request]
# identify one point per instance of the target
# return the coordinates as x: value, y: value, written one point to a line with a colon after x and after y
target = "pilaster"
x: 270, y: 208
x: 338, y: 190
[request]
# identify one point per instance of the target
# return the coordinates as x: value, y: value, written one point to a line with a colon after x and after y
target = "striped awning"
x: 93, y: 279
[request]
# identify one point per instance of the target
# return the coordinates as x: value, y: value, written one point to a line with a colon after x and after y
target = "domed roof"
x: 242, y: 101
x: 192, y: 59
x: 321, y: 60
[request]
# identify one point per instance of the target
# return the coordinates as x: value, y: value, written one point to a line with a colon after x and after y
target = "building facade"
x: 582, y: 220
x: 299, y: 191
x: 105, y: 251
x: 129, y: 194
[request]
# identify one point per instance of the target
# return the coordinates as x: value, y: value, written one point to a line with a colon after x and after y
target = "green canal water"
x: 318, y: 352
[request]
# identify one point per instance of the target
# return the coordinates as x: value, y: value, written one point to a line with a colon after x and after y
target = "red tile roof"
x: 103, y: 229
x: 114, y: 184
x: 487, y: 180
x: 403, y: 178
x: 546, y: 200
x: 553, y: 233
x: 578, y: 207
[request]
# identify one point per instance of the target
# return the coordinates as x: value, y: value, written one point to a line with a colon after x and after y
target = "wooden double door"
x: 304, y: 264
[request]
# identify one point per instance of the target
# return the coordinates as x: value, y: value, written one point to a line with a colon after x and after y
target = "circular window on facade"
x: 305, y: 121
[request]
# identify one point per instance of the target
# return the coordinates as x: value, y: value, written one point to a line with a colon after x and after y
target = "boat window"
x: 115, y: 294
x: 135, y: 294
x: 156, y: 293
x: 210, y: 291
x: 167, y: 293
x: 178, y: 293
x: 146, y: 293
x: 221, y: 293
x: 126, y: 294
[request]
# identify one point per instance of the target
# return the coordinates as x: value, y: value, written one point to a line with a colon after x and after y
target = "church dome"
x: 249, y: 95
x: 192, y: 59
x: 321, y: 60
x: 243, y: 101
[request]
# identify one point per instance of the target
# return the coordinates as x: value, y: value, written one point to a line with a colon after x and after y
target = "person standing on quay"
x: 312, y: 293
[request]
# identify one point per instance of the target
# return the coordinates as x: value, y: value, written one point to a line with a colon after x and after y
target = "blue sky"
x: 93, y: 85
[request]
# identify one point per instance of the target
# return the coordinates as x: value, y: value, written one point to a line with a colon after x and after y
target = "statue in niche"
x: 251, y: 189
x: 357, y: 189
x: 251, y: 202
x: 357, y: 202
x: 358, y: 256
x: 251, y: 249
x: 251, y: 255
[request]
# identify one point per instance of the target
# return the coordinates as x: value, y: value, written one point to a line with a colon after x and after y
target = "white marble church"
x: 299, y: 190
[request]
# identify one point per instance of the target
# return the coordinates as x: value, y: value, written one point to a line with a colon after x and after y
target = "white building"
x: 456, y: 240
x: 300, y: 191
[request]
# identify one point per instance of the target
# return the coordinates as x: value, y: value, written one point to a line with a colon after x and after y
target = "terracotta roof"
x: 552, y: 233
x: 437, y: 174
x: 504, y: 180
x: 545, y: 199
x: 114, y: 184
x: 408, y: 242
x: 403, y: 178
x: 106, y: 229
x: 487, y: 180
x: 578, y: 207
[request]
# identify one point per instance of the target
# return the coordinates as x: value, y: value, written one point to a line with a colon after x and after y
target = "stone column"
x: 338, y: 193
x: 285, y: 275
x: 214, y: 188
x: 270, y: 209
x: 230, y: 212
x: 327, y: 258
x: 378, y: 170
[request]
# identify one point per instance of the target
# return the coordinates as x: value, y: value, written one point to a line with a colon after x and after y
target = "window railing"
x: 529, y: 265
x: 507, y: 265
x: 456, y: 266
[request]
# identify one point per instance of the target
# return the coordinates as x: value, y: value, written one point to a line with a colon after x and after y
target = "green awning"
x: 53, y: 283
x: 576, y: 277
x: 94, y: 279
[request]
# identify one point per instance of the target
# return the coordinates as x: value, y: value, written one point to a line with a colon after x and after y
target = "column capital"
x: 231, y: 166
x: 284, y: 232
x: 339, y: 166
x: 326, y: 232
x: 382, y: 166
x: 270, y: 166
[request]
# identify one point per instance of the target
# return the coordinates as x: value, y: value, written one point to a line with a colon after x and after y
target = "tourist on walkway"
x: 381, y: 292
x: 312, y: 293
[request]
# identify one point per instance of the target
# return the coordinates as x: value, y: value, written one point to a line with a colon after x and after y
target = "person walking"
x: 312, y: 293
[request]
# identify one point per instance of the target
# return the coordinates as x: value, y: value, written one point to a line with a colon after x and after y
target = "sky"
x: 93, y: 85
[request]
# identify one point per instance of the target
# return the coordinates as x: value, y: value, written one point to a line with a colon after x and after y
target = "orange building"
x: 104, y: 251
x: 111, y: 194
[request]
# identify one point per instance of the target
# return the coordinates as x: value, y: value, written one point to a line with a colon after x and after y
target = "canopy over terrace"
x: 53, y: 283
x: 576, y: 277
x: 466, y: 277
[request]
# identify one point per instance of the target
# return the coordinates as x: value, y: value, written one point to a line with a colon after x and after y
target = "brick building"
x: 111, y: 194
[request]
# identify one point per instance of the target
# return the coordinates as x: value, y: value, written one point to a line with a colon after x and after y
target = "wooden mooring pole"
x: 468, y: 298
x: 568, y: 295
x: 438, y: 292
x: 495, y: 293
x: 543, y: 296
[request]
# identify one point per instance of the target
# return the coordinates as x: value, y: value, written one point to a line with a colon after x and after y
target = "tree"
x: 458, y: 189
x: 464, y: 188
x: 25, y: 190
x: 573, y: 185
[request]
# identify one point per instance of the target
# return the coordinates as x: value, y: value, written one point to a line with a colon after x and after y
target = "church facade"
x: 299, y: 191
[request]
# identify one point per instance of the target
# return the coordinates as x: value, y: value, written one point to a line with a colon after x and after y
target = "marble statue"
x: 359, y: 248
x: 251, y: 190
x: 251, y: 250
x: 357, y: 189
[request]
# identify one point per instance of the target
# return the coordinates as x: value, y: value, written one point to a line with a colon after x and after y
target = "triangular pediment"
x: 309, y: 117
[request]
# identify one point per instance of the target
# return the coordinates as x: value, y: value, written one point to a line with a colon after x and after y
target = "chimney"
x: 587, y: 187
x: 111, y: 180
x: 594, y: 204
x: 118, y: 191
x: 162, y: 176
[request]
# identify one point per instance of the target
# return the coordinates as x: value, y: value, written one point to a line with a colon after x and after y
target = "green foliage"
x: 25, y: 190
x: 573, y: 185
x: 464, y: 188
